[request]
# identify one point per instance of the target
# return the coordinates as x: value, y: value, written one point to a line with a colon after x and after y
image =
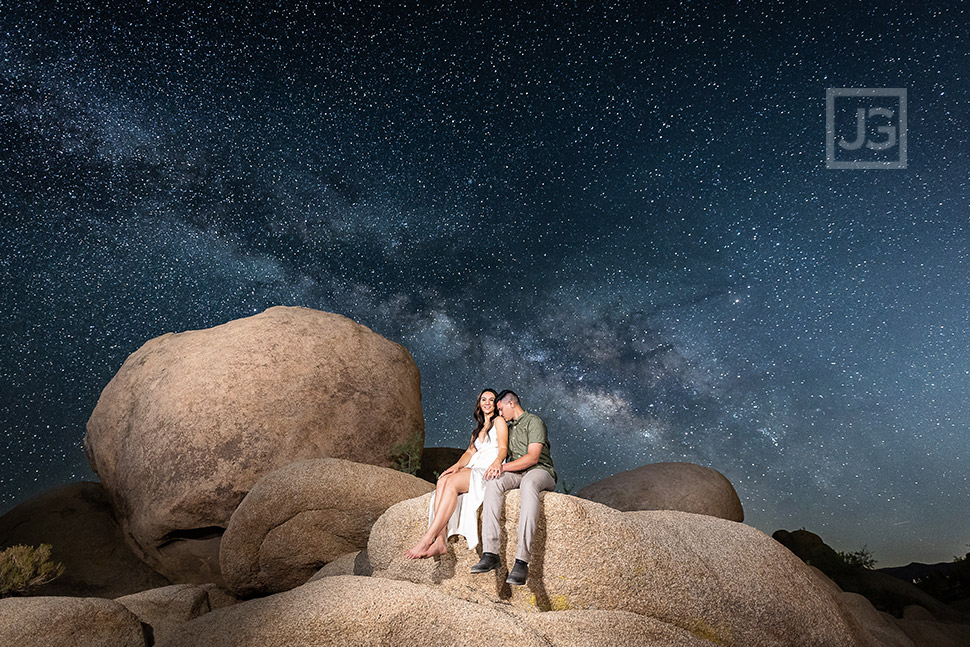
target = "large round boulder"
x: 719, y: 580
x: 350, y: 611
x: 69, y: 622
x: 302, y: 516
x: 192, y: 420
x: 79, y: 524
x: 669, y: 486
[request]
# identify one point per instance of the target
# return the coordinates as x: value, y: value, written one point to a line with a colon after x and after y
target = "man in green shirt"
x: 530, y: 469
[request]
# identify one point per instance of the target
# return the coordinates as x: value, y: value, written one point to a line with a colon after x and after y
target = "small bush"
x: 963, y: 560
x: 406, y: 456
x: 861, y: 558
x: 26, y: 567
x: 962, y: 575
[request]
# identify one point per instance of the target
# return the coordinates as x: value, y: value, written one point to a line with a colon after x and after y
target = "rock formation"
x: 886, y: 593
x: 270, y: 411
x: 720, y: 580
x: 79, y: 524
x: 598, y: 576
x: 192, y: 420
x: 353, y: 611
x: 302, y: 516
x: 669, y: 486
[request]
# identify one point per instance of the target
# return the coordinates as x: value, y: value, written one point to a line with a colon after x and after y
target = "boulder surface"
x: 343, y: 565
x: 669, y: 486
x: 68, y: 622
x: 167, y: 607
x: 350, y: 611
x: 719, y: 580
x: 192, y: 420
x: 302, y: 516
x: 347, y: 610
x: 882, y: 626
x: 597, y: 628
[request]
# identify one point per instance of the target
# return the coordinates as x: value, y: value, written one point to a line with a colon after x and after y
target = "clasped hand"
x: 494, y: 471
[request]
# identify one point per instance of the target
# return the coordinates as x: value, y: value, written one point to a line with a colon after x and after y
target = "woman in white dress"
x: 461, y: 488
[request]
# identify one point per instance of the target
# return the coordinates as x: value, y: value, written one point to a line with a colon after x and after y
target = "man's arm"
x: 527, y: 461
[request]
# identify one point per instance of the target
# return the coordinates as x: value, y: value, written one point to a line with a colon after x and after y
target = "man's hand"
x: 524, y: 462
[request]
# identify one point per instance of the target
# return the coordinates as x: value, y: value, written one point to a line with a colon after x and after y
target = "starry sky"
x: 620, y: 211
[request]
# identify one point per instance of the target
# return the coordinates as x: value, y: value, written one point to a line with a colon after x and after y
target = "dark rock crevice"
x: 197, y: 534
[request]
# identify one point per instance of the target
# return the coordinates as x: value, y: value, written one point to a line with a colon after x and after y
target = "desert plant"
x: 406, y: 456
x: 26, y: 567
x: 567, y: 488
x: 962, y: 569
x: 861, y: 558
x: 963, y: 560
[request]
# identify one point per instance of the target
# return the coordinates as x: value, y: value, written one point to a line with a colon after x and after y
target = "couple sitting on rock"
x: 504, y: 430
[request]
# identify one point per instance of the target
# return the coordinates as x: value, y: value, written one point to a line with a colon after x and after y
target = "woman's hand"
x: 450, y: 470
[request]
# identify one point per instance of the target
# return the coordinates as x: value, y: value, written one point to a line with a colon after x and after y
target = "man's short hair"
x: 501, y: 396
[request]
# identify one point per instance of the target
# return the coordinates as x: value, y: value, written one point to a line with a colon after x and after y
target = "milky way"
x: 622, y: 213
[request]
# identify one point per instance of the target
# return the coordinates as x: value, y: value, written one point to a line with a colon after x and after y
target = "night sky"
x: 622, y: 213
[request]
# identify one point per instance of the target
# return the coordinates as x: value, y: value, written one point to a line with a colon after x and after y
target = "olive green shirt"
x: 525, y: 430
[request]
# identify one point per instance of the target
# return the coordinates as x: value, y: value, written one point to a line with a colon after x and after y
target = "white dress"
x: 464, y: 520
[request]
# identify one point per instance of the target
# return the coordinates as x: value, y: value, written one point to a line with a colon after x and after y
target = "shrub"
x: 861, y: 558
x: 963, y: 560
x: 25, y: 567
x: 406, y: 456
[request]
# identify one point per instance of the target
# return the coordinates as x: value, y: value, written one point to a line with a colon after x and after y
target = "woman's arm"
x: 462, y: 460
x: 502, y: 435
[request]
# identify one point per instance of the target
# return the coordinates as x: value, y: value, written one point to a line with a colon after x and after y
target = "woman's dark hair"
x: 479, y: 416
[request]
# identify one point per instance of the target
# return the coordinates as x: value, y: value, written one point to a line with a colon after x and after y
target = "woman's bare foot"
x: 439, y: 547
x: 419, y: 550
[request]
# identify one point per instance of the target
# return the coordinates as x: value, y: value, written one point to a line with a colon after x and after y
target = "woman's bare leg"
x: 438, y: 489
x: 439, y: 525
x: 441, y: 489
x: 433, y: 542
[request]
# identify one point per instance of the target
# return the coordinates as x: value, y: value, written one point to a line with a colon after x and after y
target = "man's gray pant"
x: 530, y: 483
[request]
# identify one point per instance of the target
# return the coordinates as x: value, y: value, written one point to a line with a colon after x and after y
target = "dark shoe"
x: 519, y: 574
x: 488, y: 562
